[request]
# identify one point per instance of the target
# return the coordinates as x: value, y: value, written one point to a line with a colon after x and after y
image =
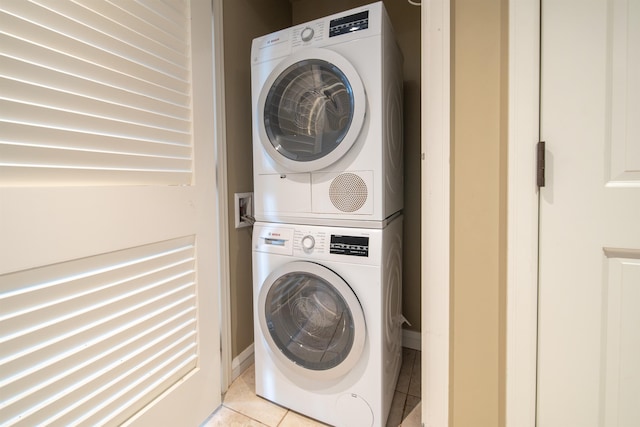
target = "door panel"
x: 621, y: 350
x: 108, y: 275
x: 588, y: 374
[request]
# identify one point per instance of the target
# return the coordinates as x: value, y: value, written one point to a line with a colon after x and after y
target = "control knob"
x: 308, y: 242
x: 306, y: 34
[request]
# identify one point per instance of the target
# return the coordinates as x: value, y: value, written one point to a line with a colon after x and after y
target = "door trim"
x: 435, y: 207
x: 522, y: 216
x: 222, y: 203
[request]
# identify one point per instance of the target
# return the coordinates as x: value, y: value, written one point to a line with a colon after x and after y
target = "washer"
x: 327, y: 311
x: 327, y: 121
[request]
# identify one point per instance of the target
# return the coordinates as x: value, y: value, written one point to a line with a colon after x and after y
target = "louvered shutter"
x: 95, y: 93
x: 108, y: 262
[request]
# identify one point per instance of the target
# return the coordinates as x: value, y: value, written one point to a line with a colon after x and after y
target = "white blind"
x: 91, y: 341
x: 95, y: 93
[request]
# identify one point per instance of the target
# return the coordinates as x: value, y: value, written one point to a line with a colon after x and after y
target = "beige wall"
x: 243, y: 20
x: 406, y: 23
x: 478, y: 234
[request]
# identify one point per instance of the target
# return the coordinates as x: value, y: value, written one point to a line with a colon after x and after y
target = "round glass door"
x: 312, y: 320
x: 312, y: 109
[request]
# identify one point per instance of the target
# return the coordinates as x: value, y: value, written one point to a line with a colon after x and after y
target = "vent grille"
x: 348, y: 192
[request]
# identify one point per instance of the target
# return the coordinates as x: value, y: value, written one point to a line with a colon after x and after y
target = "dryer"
x: 327, y: 121
x: 327, y: 314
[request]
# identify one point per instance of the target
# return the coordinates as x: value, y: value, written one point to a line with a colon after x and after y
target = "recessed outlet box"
x: 243, y: 209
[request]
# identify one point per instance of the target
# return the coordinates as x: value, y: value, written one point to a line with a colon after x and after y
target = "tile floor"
x: 241, y: 407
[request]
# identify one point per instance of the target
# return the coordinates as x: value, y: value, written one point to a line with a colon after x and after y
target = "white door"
x: 108, y: 246
x: 589, y: 294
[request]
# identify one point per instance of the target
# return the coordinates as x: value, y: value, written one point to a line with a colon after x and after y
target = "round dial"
x: 306, y: 34
x: 308, y: 242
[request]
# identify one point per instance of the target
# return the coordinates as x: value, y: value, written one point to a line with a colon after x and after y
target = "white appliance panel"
x: 368, y: 264
x: 374, y: 59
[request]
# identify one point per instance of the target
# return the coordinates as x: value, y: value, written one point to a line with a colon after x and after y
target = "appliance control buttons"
x: 306, y: 34
x: 308, y: 242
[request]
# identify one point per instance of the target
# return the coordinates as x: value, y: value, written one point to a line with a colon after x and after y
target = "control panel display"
x: 349, y: 245
x: 349, y: 24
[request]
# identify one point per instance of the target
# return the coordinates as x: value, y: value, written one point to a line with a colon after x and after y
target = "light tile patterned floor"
x: 242, y: 408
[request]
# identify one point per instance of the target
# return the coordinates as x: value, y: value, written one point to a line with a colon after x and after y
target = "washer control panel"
x: 349, y: 245
x: 319, y: 243
x: 309, y: 241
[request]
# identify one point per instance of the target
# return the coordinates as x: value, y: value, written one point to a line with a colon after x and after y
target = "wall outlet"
x: 243, y: 209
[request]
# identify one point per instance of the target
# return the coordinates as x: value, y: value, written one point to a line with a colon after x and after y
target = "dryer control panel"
x: 348, y: 24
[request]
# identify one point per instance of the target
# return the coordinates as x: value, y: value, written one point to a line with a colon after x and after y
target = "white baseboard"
x: 411, y: 339
x: 241, y: 362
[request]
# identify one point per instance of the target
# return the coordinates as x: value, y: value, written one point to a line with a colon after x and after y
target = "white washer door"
x: 311, y: 110
x: 311, y: 320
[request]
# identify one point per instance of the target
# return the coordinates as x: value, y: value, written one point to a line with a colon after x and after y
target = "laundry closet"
x: 244, y: 20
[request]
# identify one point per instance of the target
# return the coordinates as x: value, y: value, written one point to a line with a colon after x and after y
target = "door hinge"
x: 540, y: 164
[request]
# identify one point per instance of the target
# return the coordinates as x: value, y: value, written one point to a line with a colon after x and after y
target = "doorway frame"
x: 435, y: 207
x: 522, y: 215
x: 220, y: 121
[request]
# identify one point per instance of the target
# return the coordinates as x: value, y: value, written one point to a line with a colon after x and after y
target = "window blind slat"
x: 167, y: 19
x: 87, y: 16
x: 32, y: 290
x: 106, y: 87
x: 86, y: 104
x: 45, y: 116
x: 39, y: 85
x: 71, y: 139
x: 173, y: 41
x: 16, y: 155
x: 74, y: 374
x: 71, y: 324
x: 56, y: 177
x: 49, y: 311
x: 118, y: 79
x: 172, y: 363
x: 117, y: 318
x: 159, y: 74
x: 40, y: 368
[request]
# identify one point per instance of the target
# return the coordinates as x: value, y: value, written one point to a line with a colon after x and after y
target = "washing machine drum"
x: 311, y: 320
x: 311, y: 110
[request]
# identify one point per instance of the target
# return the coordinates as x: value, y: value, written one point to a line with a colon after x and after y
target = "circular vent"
x: 348, y: 192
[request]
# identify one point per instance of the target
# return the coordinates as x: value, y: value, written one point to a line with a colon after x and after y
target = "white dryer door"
x: 311, y: 320
x: 310, y: 110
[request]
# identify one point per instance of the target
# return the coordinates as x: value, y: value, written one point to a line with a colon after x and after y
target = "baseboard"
x: 411, y: 339
x: 241, y: 362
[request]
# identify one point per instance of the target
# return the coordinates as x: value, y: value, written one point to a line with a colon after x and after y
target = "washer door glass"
x: 308, y: 110
x: 311, y: 110
x: 310, y: 321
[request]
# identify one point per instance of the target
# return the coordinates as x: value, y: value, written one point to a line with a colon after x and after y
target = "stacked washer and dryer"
x: 327, y: 242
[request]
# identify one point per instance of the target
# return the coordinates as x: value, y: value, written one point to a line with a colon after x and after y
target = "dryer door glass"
x: 308, y: 110
x: 309, y: 321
